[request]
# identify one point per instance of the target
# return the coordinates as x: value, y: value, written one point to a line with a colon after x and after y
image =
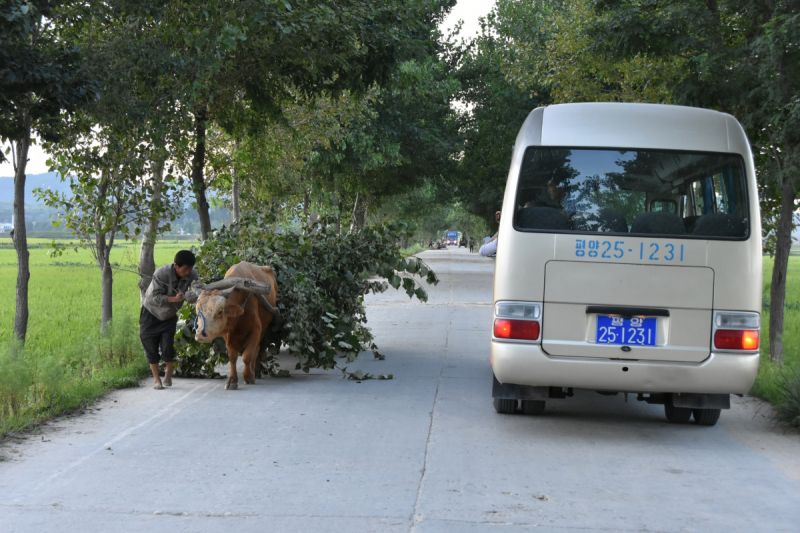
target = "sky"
x: 36, y: 162
x: 467, y: 10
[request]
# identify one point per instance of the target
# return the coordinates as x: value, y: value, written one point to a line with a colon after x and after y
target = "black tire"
x: 533, y: 407
x: 706, y: 417
x: 505, y: 406
x: 677, y: 415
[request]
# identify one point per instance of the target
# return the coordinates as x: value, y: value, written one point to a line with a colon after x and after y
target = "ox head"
x: 214, y: 312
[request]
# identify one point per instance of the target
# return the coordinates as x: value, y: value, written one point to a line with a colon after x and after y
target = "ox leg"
x: 233, y: 377
x: 250, y: 357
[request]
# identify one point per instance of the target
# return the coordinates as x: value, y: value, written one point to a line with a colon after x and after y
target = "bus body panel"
x: 737, y: 266
x: 720, y: 373
x: 568, y: 329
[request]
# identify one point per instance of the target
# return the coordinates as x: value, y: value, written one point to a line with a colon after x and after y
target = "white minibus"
x: 628, y: 260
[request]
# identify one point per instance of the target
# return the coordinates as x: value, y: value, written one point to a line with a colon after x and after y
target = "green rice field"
x: 64, y: 298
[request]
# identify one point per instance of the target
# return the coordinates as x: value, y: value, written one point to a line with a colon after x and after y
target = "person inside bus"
x: 559, y: 194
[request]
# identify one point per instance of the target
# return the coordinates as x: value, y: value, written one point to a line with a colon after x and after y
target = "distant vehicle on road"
x: 631, y: 261
x: 463, y: 241
x: 452, y: 238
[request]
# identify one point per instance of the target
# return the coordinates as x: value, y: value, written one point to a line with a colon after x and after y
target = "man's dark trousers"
x: 157, y: 333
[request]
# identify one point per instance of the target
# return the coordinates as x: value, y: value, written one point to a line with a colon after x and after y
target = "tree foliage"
x: 41, y: 74
x: 548, y: 47
x: 492, y: 109
x: 322, y: 278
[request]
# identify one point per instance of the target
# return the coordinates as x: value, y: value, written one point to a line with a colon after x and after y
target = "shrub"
x: 322, y: 279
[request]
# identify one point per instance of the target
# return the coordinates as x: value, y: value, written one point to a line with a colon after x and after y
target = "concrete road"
x: 421, y: 453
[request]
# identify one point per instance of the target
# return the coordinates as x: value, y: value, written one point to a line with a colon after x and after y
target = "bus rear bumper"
x: 527, y: 364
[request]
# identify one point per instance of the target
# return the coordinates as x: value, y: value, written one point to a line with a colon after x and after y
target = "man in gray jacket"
x: 159, y: 314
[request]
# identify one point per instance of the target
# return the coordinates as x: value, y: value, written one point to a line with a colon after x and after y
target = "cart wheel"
x: 533, y: 407
x: 505, y: 406
x: 706, y: 417
x: 677, y: 415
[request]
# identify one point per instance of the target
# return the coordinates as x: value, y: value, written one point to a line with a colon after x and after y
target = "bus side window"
x: 721, y: 203
x: 703, y: 197
x: 667, y: 206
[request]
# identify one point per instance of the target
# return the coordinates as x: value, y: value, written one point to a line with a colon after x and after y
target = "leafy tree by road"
x: 494, y: 108
x: 267, y: 50
x: 41, y: 81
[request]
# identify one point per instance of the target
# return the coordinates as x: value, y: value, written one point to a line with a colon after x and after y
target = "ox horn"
x: 246, y: 284
x: 258, y: 288
x: 193, y: 292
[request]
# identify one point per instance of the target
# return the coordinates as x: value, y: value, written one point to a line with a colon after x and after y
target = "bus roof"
x: 624, y: 125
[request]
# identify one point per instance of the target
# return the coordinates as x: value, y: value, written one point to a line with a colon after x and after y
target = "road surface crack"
x: 416, y: 517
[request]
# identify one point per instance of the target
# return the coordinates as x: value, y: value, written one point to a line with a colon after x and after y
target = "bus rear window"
x: 641, y: 192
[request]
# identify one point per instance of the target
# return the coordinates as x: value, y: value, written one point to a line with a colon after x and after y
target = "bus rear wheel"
x: 677, y: 415
x: 505, y: 406
x: 533, y: 407
x: 706, y: 417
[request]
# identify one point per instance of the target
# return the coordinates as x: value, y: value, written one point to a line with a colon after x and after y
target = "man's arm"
x: 490, y: 247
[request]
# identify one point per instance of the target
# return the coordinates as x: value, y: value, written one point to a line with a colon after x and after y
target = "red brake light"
x: 516, y: 329
x: 736, y: 339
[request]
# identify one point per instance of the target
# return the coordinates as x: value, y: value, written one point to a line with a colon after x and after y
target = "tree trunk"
x: 235, y: 191
x: 360, y: 212
x: 20, y: 237
x: 147, y: 263
x: 198, y: 164
x: 336, y: 202
x: 783, y: 244
x: 107, y: 295
x: 103, y: 253
x: 353, y: 217
x: 313, y: 217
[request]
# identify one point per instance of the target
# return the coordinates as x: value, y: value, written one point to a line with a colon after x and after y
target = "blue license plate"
x: 635, y: 331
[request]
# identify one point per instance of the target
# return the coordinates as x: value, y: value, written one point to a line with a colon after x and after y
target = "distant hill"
x: 40, y: 216
x: 49, y: 180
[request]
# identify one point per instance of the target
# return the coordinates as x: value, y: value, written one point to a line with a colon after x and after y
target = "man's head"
x: 557, y: 192
x: 184, y: 262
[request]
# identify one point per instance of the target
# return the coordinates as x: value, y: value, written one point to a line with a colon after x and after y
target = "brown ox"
x: 238, y: 316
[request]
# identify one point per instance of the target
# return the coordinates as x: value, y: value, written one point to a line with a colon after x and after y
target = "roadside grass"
x: 780, y: 384
x: 411, y: 250
x: 788, y: 409
x: 66, y: 362
x: 36, y: 385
